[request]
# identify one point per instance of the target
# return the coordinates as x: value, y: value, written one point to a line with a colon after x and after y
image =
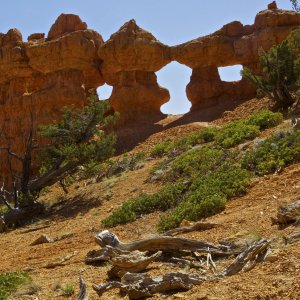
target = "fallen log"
x: 292, y: 238
x: 162, y: 243
x: 133, y: 262
x: 246, y: 260
x: 199, y: 226
x: 138, y: 286
x: 289, y: 213
x: 103, y: 254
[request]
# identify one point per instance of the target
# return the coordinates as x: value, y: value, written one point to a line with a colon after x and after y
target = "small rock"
x: 43, y: 239
x: 272, y: 5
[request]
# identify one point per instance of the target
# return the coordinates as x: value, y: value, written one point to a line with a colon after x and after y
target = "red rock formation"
x: 38, y: 78
x: 130, y: 59
x: 41, y: 76
x: 233, y: 44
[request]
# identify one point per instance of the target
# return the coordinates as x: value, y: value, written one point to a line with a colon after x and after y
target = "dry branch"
x: 157, y: 243
x: 133, y: 262
x: 245, y: 261
x: 289, y: 213
x: 199, y: 226
x: 292, y: 238
x: 138, y: 286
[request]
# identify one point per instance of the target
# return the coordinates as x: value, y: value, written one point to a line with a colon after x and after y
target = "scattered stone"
x: 43, y: 239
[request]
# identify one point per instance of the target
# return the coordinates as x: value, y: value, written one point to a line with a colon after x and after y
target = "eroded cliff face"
x: 40, y: 76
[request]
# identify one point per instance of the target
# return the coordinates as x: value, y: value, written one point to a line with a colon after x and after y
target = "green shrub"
x: 206, y: 135
x: 9, y: 282
x: 169, y: 196
x: 192, y: 211
x: 235, y: 133
x: 207, y: 195
x: 200, y: 160
x: 161, y: 149
x: 265, y: 119
x: 274, y: 153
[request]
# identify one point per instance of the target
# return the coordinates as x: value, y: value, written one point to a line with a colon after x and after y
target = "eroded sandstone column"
x: 39, y: 77
x: 130, y: 59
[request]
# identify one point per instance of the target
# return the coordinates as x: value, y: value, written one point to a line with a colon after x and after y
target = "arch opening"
x: 104, y: 91
x: 230, y: 73
x: 175, y: 78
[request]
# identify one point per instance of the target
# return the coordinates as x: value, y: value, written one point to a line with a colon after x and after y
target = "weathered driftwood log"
x: 42, y: 239
x: 292, y: 238
x: 133, y: 262
x: 157, y: 243
x: 138, y: 286
x: 82, y: 295
x: 195, y: 227
x: 289, y: 213
x: 103, y: 254
x: 245, y: 261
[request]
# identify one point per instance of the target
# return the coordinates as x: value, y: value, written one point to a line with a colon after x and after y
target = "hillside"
x: 75, y: 218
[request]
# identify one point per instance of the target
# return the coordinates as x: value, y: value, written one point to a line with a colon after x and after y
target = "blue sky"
x: 171, y: 21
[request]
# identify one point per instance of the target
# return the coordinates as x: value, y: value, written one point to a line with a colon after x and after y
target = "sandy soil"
x: 76, y: 218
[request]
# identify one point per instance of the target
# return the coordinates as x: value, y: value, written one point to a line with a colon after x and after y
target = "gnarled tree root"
x: 138, y: 286
x: 162, y: 243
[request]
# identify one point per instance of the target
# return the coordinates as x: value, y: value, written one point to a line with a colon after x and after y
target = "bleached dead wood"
x: 289, y: 213
x: 42, y: 239
x: 138, y: 286
x: 163, y: 243
x: 245, y: 261
x: 199, y: 226
x: 292, y: 238
x: 132, y: 262
x: 103, y: 254
x: 82, y: 295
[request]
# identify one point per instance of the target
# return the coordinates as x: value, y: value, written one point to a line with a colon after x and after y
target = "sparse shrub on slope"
x: 208, y: 194
x: 236, y: 133
x: 168, y: 197
x: 201, y: 179
x: 274, y: 153
x: 9, y: 282
x: 265, y: 119
x: 194, y: 162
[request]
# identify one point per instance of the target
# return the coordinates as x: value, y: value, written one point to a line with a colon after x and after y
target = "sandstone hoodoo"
x: 130, y: 59
x: 40, y: 77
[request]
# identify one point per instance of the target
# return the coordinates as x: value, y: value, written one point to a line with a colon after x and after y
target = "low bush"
x: 274, y: 153
x: 194, y: 162
x: 9, y: 282
x: 235, y: 133
x: 203, y: 136
x: 168, y: 197
x: 265, y: 119
x: 161, y: 149
x: 207, y: 195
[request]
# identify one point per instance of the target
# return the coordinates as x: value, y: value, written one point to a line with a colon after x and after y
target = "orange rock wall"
x: 39, y: 77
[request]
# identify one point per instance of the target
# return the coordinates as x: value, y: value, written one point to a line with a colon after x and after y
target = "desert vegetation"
x: 208, y: 169
x: 77, y: 140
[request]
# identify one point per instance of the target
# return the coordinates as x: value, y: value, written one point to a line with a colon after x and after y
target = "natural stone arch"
x: 130, y: 58
x: 175, y: 76
x: 233, y: 44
